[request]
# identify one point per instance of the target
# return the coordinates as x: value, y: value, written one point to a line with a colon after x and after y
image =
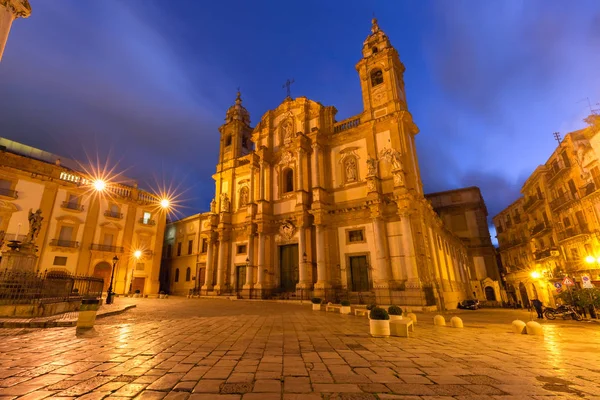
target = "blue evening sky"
x: 147, y: 82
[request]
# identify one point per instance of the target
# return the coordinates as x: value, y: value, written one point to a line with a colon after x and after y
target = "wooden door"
x: 359, y: 274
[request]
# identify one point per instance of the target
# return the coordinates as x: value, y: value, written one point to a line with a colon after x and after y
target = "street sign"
x: 558, y: 285
x: 568, y: 281
x: 587, y: 282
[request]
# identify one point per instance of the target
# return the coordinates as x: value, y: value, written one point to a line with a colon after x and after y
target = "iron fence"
x: 47, y: 287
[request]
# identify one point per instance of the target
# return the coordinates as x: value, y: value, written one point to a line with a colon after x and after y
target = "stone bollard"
x: 456, y: 322
x: 534, y: 328
x: 413, y: 317
x: 518, y: 326
x: 87, y: 313
x: 439, y: 320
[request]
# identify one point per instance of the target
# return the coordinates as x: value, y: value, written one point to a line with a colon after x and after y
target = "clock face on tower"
x: 379, y: 97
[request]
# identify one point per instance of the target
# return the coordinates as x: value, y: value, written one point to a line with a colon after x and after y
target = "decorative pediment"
x: 69, y: 219
x: 111, y: 225
x: 287, y: 158
x: 8, y: 206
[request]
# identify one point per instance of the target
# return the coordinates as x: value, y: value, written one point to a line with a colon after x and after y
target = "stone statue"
x: 371, y: 167
x: 392, y: 156
x: 213, y: 206
x: 287, y: 129
x: 35, y: 224
x: 224, y: 202
x: 351, y: 173
x: 243, y: 196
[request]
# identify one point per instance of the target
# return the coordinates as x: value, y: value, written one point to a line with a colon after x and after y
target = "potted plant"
x: 395, y: 312
x: 379, y: 322
x: 316, y: 304
x: 161, y: 295
x: 137, y: 293
x: 345, y: 307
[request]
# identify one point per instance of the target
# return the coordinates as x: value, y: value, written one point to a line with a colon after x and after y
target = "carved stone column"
x: 408, y: 248
x: 250, y: 267
x: 316, y: 171
x: 261, y: 261
x: 9, y: 11
x: 221, y: 267
x: 322, y: 281
x: 300, y: 156
x: 261, y: 181
x: 208, y: 281
x: 382, y: 267
x: 303, y: 281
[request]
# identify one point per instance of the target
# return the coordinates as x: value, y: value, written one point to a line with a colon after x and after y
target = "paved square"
x: 221, y: 349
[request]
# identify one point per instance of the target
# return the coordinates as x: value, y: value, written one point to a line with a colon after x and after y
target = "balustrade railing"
x: 346, y: 124
x: 64, y: 243
x: 107, y: 248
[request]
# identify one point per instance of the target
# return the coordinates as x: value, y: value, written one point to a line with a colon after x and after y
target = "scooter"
x: 564, y: 311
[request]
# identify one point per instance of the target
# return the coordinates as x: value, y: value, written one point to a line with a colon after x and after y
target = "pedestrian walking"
x: 537, y: 304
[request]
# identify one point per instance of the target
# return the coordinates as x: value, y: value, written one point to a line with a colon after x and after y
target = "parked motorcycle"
x: 564, y: 311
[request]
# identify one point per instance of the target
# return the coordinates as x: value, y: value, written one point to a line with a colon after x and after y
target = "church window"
x: 376, y: 77
x: 58, y: 260
x: 227, y: 140
x: 350, y: 169
x: 242, y: 249
x: 188, y: 274
x: 204, y: 246
x: 178, y: 249
x: 374, y: 49
x: 356, y: 236
x: 177, y: 275
x: 288, y: 180
x: 190, y: 246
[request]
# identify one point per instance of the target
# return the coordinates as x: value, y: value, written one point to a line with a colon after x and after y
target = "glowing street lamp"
x: 99, y: 185
x: 590, y: 259
x: 165, y: 203
x: 137, y: 254
x: 536, y: 275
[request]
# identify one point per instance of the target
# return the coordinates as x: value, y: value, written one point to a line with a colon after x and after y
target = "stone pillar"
x: 261, y: 181
x: 261, y: 261
x: 303, y: 281
x: 316, y: 172
x: 221, y: 265
x: 382, y: 268
x: 322, y: 282
x: 249, y: 268
x: 208, y: 281
x: 9, y: 11
x: 300, y: 156
x: 408, y: 248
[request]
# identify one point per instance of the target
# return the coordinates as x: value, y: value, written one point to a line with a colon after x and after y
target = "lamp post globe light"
x: 109, y: 298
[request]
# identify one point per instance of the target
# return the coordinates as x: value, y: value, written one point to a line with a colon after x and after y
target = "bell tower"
x: 9, y: 11
x: 381, y: 75
x: 235, y: 132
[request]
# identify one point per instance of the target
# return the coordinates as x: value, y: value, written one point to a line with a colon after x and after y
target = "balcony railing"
x: 64, y: 243
x: 72, y: 206
x: 145, y: 221
x: 538, y: 228
x: 107, y: 248
x: 13, y: 194
x: 555, y: 170
x: 511, y: 243
x: 346, y: 124
x: 573, y: 231
x: 587, y: 189
x: 552, y: 252
x: 563, y: 200
x: 113, y: 214
x: 533, y: 201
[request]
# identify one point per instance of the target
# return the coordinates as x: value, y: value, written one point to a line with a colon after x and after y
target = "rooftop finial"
x: 238, y: 99
x: 375, y: 27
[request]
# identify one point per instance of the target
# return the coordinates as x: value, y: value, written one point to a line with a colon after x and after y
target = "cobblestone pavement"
x: 220, y: 349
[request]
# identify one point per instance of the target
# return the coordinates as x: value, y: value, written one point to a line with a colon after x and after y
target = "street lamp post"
x: 109, y: 298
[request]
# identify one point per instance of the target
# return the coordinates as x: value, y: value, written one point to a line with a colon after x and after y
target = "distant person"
x: 537, y: 304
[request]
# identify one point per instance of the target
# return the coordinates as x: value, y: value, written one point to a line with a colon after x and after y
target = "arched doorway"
x: 524, y: 296
x: 490, y: 294
x: 103, y: 270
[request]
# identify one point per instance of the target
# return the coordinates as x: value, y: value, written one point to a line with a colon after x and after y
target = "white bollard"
x: 456, y: 322
x: 534, y: 328
x: 518, y: 326
x: 439, y: 320
x: 412, y: 316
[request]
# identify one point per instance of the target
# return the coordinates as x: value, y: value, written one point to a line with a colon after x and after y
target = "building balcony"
x: 517, y: 219
x: 542, y: 254
x: 113, y: 214
x: 107, y: 248
x: 542, y: 226
x: 533, y: 201
x: 557, y: 169
x: 13, y: 194
x: 587, y: 189
x: 511, y: 243
x: 149, y: 222
x: 71, y: 206
x: 573, y: 231
x: 563, y: 200
x: 64, y: 243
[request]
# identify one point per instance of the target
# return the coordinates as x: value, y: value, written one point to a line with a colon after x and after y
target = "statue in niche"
x: 287, y: 131
x: 35, y: 225
x: 224, y: 202
x: 392, y: 156
x: 350, y: 166
x: 243, y: 197
x: 371, y: 167
x: 213, y: 206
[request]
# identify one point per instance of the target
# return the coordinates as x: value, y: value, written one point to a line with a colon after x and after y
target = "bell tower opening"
x: 236, y: 132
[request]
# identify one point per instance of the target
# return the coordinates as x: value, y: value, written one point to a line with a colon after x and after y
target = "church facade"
x: 305, y: 204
